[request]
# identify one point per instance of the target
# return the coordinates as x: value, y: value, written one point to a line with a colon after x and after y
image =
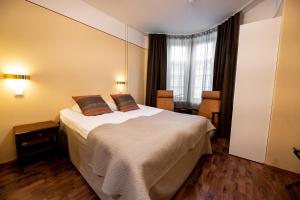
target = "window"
x: 190, y: 66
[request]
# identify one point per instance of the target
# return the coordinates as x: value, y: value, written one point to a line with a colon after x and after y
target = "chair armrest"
x: 213, y: 116
x: 297, y: 152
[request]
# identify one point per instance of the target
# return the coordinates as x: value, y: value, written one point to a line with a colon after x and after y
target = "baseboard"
x: 9, y: 163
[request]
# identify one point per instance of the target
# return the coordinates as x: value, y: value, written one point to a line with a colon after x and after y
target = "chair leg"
x: 293, y: 184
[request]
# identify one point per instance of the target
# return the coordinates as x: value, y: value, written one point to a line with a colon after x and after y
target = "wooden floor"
x: 217, y: 176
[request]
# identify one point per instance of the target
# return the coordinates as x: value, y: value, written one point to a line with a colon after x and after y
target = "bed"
x: 141, y: 154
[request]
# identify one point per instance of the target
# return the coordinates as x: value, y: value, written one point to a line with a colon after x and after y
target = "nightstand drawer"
x: 37, y: 134
x: 35, y: 141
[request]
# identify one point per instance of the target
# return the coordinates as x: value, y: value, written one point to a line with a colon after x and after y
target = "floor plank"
x: 216, y: 176
x: 222, y: 176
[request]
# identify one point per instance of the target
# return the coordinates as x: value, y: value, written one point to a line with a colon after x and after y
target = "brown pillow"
x: 124, y: 102
x: 92, y: 105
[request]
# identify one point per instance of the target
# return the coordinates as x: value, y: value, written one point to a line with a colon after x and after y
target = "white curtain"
x: 190, y: 66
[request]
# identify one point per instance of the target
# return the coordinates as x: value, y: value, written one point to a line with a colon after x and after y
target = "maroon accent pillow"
x: 124, y: 102
x: 92, y: 105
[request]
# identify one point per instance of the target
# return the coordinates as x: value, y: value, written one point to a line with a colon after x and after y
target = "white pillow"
x: 112, y: 106
x: 76, y: 108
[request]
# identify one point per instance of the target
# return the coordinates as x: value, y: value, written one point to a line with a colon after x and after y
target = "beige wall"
x: 136, y: 72
x: 285, y: 119
x: 64, y: 58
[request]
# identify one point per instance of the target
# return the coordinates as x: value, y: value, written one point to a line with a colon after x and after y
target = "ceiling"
x: 169, y: 16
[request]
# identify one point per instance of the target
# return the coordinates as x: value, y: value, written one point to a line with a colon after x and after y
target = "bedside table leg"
x: 57, y: 146
x: 20, y: 165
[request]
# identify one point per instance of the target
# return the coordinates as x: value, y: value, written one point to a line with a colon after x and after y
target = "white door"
x: 255, y: 76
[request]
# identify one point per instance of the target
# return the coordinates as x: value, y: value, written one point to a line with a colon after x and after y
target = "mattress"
x: 77, y: 128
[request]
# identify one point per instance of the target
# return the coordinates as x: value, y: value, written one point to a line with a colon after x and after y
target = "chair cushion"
x: 164, y: 94
x: 208, y: 106
x: 211, y: 95
x: 165, y: 103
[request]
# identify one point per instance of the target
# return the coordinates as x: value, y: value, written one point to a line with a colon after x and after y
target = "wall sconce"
x: 120, y: 85
x: 18, y: 82
x: 121, y: 82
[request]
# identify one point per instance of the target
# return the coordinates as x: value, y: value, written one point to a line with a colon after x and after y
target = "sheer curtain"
x: 190, y: 63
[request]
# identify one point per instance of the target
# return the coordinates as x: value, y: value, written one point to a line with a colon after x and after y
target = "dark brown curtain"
x: 225, y: 69
x: 157, y: 67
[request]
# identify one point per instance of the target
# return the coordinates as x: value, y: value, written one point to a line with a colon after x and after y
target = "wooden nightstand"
x: 35, y: 139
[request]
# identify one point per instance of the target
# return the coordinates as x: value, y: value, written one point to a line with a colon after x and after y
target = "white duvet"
x: 84, y: 124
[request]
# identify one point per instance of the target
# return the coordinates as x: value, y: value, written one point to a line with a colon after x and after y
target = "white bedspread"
x: 133, y: 156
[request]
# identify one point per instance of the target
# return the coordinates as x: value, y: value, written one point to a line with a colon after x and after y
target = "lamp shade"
x: 16, y: 76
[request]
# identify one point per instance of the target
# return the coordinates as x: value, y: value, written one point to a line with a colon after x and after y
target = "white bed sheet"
x: 84, y: 124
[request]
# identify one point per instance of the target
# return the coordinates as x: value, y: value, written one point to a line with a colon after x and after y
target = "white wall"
x: 84, y: 13
x: 256, y: 66
x: 261, y: 10
x: 87, y: 14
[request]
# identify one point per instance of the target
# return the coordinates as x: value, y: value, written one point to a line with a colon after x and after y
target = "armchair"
x: 164, y: 100
x: 210, y: 106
